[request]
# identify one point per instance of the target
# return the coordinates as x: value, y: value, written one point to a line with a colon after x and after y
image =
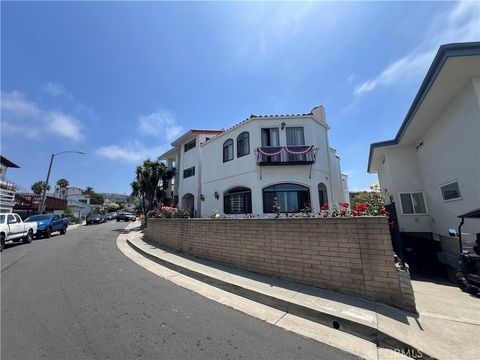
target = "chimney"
x: 319, y: 114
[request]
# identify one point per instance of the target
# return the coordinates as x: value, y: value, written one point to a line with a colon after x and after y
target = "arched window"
x: 290, y: 197
x: 237, y: 201
x: 322, y: 194
x: 228, y: 150
x: 243, y: 144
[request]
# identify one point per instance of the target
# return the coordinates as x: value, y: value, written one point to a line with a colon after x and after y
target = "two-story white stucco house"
x: 432, y: 168
x: 241, y: 170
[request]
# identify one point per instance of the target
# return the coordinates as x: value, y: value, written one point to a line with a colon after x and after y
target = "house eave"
x: 170, y: 154
x: 444, y: 53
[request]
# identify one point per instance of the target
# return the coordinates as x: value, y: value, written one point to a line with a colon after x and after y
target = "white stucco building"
x: 77, y: 200
x: 241, y: 170
x: 432, y: 168
x: 8, y: 189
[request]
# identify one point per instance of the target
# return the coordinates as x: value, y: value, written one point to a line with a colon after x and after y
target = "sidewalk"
x: 447, y: 326
x: 74, y: 226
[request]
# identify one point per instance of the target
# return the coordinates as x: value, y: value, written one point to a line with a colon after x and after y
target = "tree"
x: 113, y: 207
x: 38, y: 187
x: 146, y: 184
x: 95, y: 199
x: 63, y: 183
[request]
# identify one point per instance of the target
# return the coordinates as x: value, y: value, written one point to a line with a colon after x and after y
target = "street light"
x: 41, y: 208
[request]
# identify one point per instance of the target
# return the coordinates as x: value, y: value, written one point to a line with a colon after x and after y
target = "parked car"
x: 126, y: 217
x: 94, y: 219
x: 49, y: 223
x: 12, y: 229
x: 110, y: 216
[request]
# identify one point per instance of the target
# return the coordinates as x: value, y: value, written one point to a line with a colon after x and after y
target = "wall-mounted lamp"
x: 282, y: 125
x: 216, y: 195
x: 202, y: 197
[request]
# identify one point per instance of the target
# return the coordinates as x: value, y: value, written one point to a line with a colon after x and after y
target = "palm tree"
x: 146, y: 184
x: 63, y: 183
x: 38, y: 187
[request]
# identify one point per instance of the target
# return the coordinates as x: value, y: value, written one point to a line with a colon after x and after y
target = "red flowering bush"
x: 367, y: 203
x: 173, y: 212
x: 335, y: 211
x: 371, y: 203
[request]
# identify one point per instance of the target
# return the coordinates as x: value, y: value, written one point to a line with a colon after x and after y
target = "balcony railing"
x: 286, y: 155
x: 8, y: 185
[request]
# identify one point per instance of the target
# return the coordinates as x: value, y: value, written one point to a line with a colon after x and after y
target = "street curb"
x: 366, y: 332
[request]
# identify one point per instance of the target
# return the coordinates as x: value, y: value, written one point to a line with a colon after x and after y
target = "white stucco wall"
x: 187, y: 160
x: 404, y: 177
x: 219, y: 177
x: 345, y: 192
x: 450, y: 152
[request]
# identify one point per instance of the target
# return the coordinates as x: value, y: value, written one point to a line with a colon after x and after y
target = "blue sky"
x: 121, y: 80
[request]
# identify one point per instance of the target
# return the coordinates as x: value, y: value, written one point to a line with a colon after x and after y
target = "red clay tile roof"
x: 251, y: 116
x: 207, y: 131
x: 255, y: 116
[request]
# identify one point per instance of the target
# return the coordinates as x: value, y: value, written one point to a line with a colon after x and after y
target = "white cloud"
x: 23, y: 117
x: 160, y: 123
x: 29, y: 132
x: 65, y: 126
x: 132, y: 152
x: 409, y: 67
x: 56, y: 89
x: 16, y: 103
x: 268, y: 27
x: 462, y: 23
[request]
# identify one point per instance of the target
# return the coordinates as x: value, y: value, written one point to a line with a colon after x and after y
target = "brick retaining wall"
x: 348, y: 255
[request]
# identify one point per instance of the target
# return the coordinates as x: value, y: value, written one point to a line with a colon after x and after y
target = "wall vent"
x: 419, y: 145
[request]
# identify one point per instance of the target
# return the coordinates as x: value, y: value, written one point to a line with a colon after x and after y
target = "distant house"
x: 27, y: 204
x: 432, y: 168
x: 78, y: 201
x: 7, y: 188
x: 129, y: 207
x: 260, y: 161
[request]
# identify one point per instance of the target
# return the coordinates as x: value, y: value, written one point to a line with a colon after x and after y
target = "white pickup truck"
x: 12, y: 228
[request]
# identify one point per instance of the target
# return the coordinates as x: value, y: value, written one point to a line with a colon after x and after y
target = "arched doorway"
x: 188, y: 202
x: 322, y: 194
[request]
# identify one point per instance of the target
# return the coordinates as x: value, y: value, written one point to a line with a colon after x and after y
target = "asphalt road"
x: 76, y: 296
